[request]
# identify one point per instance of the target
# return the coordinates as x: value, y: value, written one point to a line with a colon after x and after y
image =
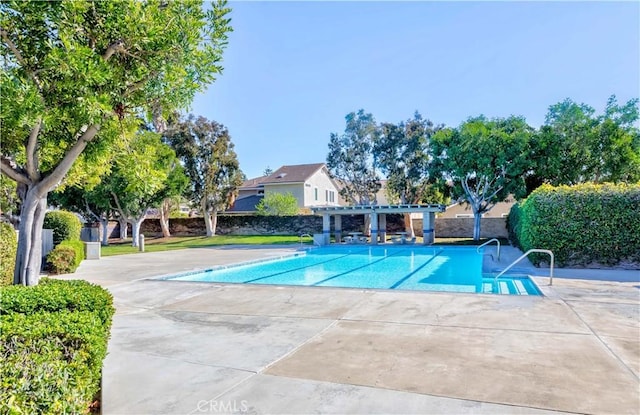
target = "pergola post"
x: 428, y: 225
x: 374, y: 228
x: 326, y: 228
x: 337, y: 225
x: 382, y: 228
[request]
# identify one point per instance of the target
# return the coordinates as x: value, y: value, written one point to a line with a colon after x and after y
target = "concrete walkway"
x: 189, y: 348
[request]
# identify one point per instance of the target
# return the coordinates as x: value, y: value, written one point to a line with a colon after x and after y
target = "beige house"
x: 463, y: 210
x: 310, y: 184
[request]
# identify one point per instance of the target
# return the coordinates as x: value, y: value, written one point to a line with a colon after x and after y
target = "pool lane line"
x: 297, y: 269
x: 406, y: 277
x: 357, y: 268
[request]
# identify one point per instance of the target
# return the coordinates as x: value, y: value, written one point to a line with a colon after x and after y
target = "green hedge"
x: 65, y: 225
x: 52, y: 295
x: 66, y: 257
x: 584, y: 224
x: 53, y: 341
x: 8, y: 248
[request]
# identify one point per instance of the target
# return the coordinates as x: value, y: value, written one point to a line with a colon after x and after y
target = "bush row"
x: 65, y: 225
x: 53, y: 341
x: 8, y: 247
x: 66, y: 257
x: 583, y: 225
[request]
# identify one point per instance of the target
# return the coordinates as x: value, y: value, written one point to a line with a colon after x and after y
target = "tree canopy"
x: 350, y: 159
x: 485, y: 159
x: 278, y: 204
x: 575, y: 145
x: 75, y: 70
x: 206, y: 152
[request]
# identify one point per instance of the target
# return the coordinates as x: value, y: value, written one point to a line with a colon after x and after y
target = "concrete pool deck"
x: 185, y: 347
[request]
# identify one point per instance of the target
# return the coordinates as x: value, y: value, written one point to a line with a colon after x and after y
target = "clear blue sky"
x: 293, y: 70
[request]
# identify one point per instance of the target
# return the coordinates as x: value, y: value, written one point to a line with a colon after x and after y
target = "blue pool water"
x: 422, y: 268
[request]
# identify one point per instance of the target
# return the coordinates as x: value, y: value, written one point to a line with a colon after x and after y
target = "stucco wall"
x: 463, y: 227
x: 257, y: 225
x: 296, y: 189
x: 321, y: 181
x: 292, y: 225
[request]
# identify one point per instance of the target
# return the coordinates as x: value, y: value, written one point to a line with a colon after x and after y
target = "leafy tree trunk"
x: 211, y: 221
x: 408, y: 225
x: 135, y: 229
x: 29, y: 256
x: 104, y: 222
x: 123, y: 227
x: 165, y: 208
x: 477, y: 218
x: 367, y: 225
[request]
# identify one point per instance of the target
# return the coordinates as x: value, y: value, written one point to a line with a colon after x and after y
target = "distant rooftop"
x: 286, y: 174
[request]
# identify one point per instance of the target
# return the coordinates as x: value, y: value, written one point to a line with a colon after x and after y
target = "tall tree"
x: 73, y: 69
x: 350, y: 159
x: 575, y: 145
x: 171, y: 196
x: 141, y: 178
x: 486, y: 159
x: 210, y: 162
x: 402, y: 153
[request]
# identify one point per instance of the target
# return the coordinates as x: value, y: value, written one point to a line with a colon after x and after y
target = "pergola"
x: 378, y: 219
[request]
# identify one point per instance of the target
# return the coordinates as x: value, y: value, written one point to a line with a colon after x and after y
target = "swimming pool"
x: 422, y: 268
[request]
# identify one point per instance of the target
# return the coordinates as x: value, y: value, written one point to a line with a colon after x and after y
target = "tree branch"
x: 5, y: 37
x: 32, y: 152
x: 91, y: 212
x: 11, y: 170
x: 116, y: 46
x: 123, y: 214
x: 49, y: 182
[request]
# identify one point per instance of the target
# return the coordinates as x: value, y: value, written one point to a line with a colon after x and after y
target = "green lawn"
x: 182, y: 242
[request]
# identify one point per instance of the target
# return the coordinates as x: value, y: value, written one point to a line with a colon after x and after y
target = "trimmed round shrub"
x: 66, y: 257
x: 65, y: 225
x: 53, y: 340
x: 53, y: 295
x: 8, y: 248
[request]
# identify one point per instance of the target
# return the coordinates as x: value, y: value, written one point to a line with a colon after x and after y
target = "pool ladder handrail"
x: 302, y: 235
x: 487, y: 243
x: 542, y: 251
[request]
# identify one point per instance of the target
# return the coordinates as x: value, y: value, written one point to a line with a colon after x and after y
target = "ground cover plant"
x: 52, y: 343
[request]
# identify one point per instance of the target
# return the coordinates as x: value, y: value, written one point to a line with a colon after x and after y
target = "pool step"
x: 509, y: 287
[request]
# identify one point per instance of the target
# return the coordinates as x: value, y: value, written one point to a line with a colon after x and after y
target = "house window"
x: 331, y: 196
x: 315, y: 192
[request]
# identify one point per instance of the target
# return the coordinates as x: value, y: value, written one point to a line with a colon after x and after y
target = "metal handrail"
x: 487, y: 243
x: 543, y: 251
x: 303, y: 235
